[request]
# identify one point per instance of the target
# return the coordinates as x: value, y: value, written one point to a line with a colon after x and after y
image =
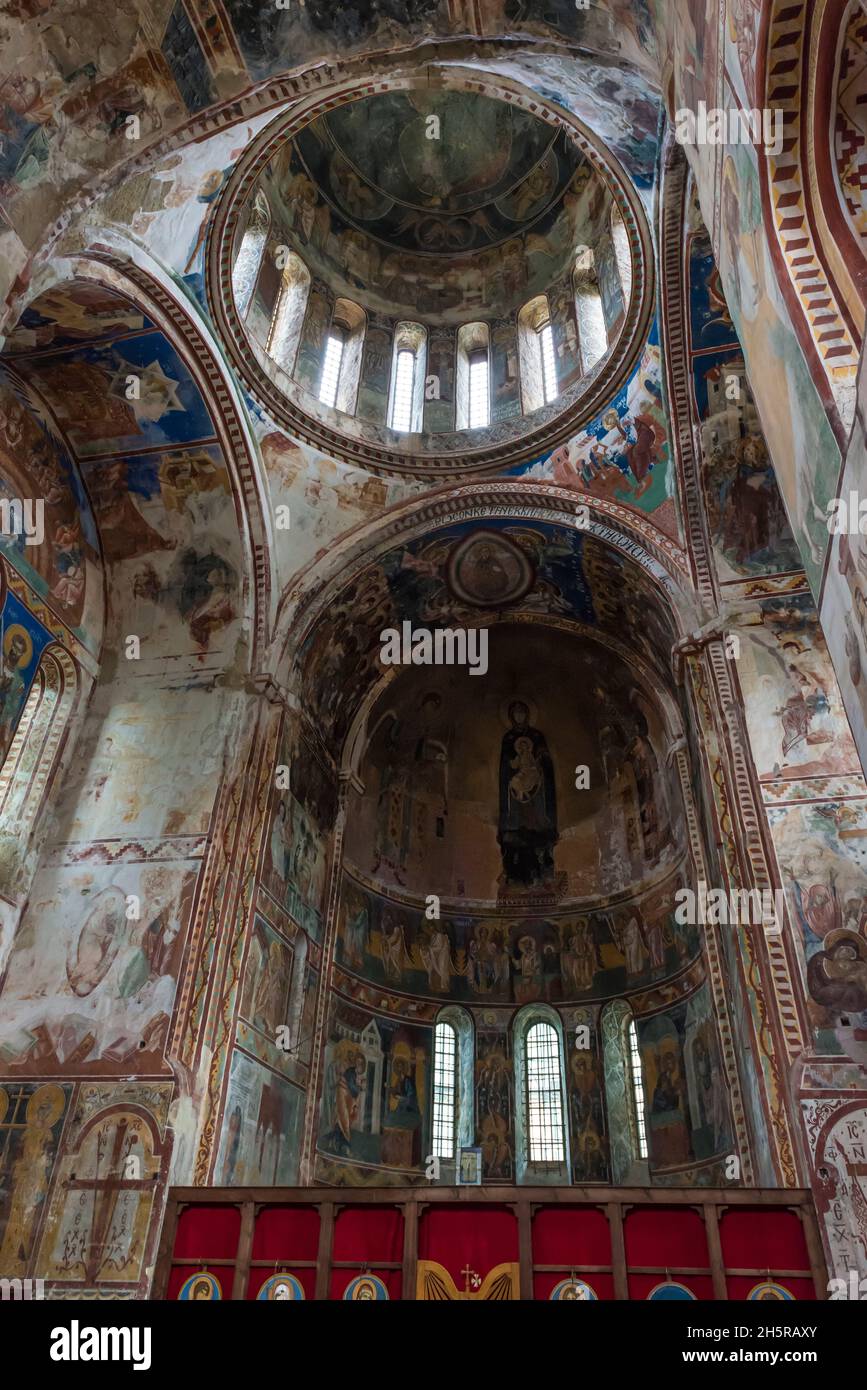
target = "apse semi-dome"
x: 433, y: 277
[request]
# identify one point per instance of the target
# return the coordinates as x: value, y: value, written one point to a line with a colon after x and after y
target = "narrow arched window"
x: 620, y: 238
x: 404, y: 383
x: 288, y: 317
x: 537, y: 354
x: 544, y: 1095
x: 545, y: 335
x: 480, y: 392
x: 407, y: 378
x: 445, y: 1090
x: 473, y: 377
x: 637, y: 1081
x: 248, y: 262
x: 592, y: 332
x: 331, y: 363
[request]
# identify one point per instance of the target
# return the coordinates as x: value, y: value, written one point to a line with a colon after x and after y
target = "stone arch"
x: 126, y: 273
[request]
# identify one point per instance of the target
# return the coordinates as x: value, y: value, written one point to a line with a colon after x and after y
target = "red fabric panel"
x: 181, y: 1273
x: 666, y: 1236
x: 391, y: 1278
x: 601, y: 1284
x: 641, y: 1284
x: 208, y: 1232
x: 285, y: 1234
x: 571, y: 1236
x: 305, y: 1277
x: 368, y: 1234
x: 738, y: 1286
x: 763, y: 1238
x: 481, y: 1236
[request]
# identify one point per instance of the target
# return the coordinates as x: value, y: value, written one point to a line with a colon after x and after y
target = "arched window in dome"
x: 624, y: 1094
x: 248, y: 261
x: 538, y: 359
x: 335, y: 344
x: 620, y: 238
x: 473, y: 377
x: 540, y: 1097
x: 406, y: 405
x: 288, y: 319
x: 350, y: 321
x: 592, y: 333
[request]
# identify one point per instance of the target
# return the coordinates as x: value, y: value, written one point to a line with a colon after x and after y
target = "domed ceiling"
x: 435, y: 204
x: 438, y: 172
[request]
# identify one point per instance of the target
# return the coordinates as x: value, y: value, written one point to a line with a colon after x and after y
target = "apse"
x: 514, y: 845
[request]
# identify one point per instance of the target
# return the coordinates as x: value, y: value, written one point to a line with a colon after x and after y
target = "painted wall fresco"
x: 71, y: 110
x: 687, y: 1109
x: 375, y: 1090
x: 477, y: 220
x: 105, y: 1233
x: 803, y: 448
x: 794, y: 711
x: 23, y: 641
x: 572, y: 575
x: 261, y: 1135
x: 750, y: 531
x: 624, y: 453
x: 89, y: 989
x: 302, y: 816
x: 63, y: 565
x: 586, y: 1093
x: 145, y: 444
x: 498, y: 958
x: 31, y: 1120
x: 470, y: 786
x: 822, y: 852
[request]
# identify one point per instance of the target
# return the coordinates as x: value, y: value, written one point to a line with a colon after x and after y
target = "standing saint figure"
x: 527, y: 826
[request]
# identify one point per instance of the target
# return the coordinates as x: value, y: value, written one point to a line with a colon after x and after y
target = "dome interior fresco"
x: 475, y: 220
x: 426, y: 646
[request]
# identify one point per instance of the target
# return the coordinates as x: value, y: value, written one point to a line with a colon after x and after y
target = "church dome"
x: 432, y: 278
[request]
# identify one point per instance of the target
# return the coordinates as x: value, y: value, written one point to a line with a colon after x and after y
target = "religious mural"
x: 481, y: 218
x: 687, y: 1111
x: 104, y: 1232
x: 795, y: 715
x: 55, y: 549
x: 91, y: 980
x: 123, y: 399
x: 500, y: 959
x: 261, y: 1136
x: 31, y: 1118
x: 586, y: 1094
x: 574, y: 576
x: 822, y: 852
x: 302, y: 817
x: 374, y: 1100
x: 749, y: 527
x: 623, y: 454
